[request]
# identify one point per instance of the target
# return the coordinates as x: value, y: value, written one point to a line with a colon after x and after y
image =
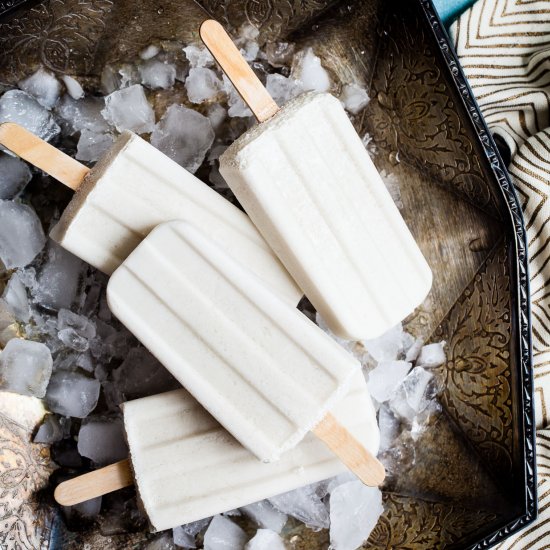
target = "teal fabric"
x: 449, y: 10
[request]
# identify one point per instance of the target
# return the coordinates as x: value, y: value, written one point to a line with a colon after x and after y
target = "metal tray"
x: 473, y: 482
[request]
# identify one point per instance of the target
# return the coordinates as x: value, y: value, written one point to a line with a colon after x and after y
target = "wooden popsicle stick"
x: 236, y: 68
x: 94, y: 484
x: 42, y: 155
x: 354, y: 455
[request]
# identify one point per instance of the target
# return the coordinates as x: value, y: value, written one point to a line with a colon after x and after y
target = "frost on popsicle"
x: 63, y: 345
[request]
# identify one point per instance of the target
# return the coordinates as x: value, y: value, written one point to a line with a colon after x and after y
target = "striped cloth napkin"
x: 504, y: 48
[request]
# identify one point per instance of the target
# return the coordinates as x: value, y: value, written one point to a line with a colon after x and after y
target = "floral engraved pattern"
x: 412, y: 523
x: 24, y: 469
x: 477, y: 375
x: 62, y: 35
x: 275, y: 19
x: 413, y: 115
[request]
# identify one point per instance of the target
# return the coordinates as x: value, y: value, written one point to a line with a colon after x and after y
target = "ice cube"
x: 25, y: 367
x: 91, y: 146
x: 385, y: 378
x: 58, y: 279
x: 15, y: 295
x: 20, y: 107
x: 149, y: 52
x: 128, y: 109
x: 237, y: 107
x: 183, y: 539
x: 414, y: 394
x: 432, y: 355
x: 304, y: 504
x: 307, y: 69
x: 102, y: 440
x: 83, y: 114
x: 184, y: 535
x: 89, y: 508
x: 198, y: 56
x: 140, y: 375
x: 157, y: 74
x: 339, y: 480
x: 202, y: 84
x: 354, y: 98
x: 110, y: 79
x: 223, y: 534
x: 281, y: 88
x: 75, y: 330
x: 129, y: 75
x: 265, y: 515
x: 14, y: 175
x: 250, y: 50
x: 50, y: 431
x: 74, y: 89
x: 391, y: 181
x: 246, y: 42
x: 81, y: 324
x: 279, y: 54
x: 85, y: 362
x: 72, y: 394
x: 21, y: 234
x: 43, y: 86
x: 413, y: 351
x: 73, y: 340
x: 264, y: 539
x: 184, y: 135
x: 388, y: 346
x: 216, y: 114
x: 389, y: 426
x: 354, y: 512
x: 161, y: 542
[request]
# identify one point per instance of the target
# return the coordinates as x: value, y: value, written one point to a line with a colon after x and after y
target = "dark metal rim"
x: 10, y: 7
x: 524, y: 306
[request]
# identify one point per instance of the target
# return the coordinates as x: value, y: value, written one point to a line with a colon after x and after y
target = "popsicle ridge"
x: 211, y: 472
x: 336, y: 212
x: 214, y: 359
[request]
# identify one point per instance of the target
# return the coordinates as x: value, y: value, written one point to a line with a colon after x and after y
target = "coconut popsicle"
x: 187, y: 467
x: 133, y: 188
x: 259, y: 366
x: 306, y: 180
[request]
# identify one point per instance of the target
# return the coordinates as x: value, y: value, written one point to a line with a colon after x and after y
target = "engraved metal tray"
x: 473, y: 482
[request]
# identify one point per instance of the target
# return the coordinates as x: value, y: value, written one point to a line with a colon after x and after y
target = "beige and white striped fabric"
x: 504, y: 48
x: 537, y: 535
x: 530, y: 169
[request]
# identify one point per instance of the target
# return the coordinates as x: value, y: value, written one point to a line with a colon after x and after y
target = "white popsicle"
x: 133, y: 188
x: 259, y: 366
x: 306, y: 180
x: 187, y: 467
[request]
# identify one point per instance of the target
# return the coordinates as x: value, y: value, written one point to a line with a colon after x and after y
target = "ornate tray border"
x: 524, y: 314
